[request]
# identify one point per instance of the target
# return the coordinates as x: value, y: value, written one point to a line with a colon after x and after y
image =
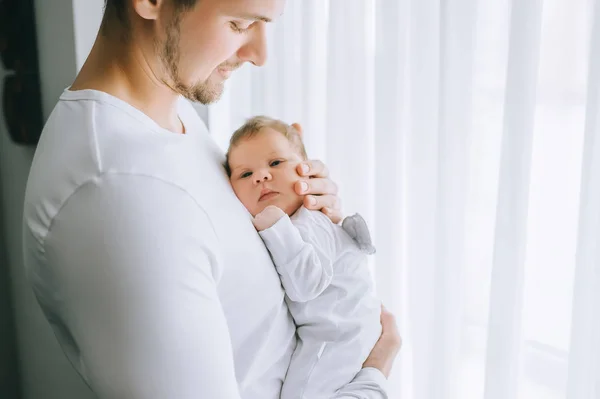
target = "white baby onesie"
x: 330, y: 295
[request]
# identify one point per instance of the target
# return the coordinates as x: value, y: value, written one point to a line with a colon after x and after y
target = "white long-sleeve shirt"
x: 146, y: 265
x: 331, y: 298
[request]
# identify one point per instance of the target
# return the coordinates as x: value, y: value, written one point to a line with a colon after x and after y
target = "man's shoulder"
x: 112, y: 136
x: 108, y: 117
x: 86, y: 138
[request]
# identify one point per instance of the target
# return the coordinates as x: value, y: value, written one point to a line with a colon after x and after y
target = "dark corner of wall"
x: 9, y: 363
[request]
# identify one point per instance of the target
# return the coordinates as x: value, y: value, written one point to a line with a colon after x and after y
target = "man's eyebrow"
x: 253, y: 17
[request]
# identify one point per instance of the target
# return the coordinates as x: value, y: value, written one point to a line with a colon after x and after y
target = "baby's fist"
x: 268, y: 217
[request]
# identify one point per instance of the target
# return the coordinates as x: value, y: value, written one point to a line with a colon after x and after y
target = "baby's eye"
x: 245, y: 175
x: 275, y: 163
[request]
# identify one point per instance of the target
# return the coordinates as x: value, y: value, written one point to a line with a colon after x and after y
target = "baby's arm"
x: 303, y: 261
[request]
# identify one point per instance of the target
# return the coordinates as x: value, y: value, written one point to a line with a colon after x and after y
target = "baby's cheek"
x: 242, y: 193
x: 291, y: 171
x: 292, y: 175
x: 236, y: 188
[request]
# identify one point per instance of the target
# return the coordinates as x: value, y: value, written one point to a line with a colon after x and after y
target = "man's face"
x: 263, y: 172
x: 201, y: 47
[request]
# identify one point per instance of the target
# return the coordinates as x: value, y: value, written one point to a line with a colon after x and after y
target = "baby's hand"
x: 268, y: 217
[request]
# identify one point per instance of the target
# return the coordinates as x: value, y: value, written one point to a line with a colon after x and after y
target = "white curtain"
x: 467, y: 132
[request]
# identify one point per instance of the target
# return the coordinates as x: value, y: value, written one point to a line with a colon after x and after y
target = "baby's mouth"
x: 267, y: 194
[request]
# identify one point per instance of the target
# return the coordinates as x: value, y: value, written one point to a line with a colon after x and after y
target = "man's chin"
x: 205, y: 95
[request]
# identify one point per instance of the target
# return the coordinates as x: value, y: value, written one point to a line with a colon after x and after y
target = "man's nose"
x: 255, y: 50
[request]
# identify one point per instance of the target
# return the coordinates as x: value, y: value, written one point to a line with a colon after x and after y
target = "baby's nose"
x: 262, y: 175
x: 261, y: 178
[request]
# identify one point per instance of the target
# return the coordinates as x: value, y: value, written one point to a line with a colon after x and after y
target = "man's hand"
x: 383, y: 354
x: 268, y: 217
x: 319, y: 191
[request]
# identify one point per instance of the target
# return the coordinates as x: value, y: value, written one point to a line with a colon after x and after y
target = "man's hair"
x: 118, y: 9
x: 254, y: 125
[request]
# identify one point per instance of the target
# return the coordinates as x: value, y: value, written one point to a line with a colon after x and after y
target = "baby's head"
x: 261, y: 163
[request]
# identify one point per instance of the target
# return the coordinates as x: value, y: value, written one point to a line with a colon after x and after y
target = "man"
x: 144, y: 262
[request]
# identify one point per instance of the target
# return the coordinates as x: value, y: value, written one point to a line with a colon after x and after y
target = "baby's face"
x: 263, y: 172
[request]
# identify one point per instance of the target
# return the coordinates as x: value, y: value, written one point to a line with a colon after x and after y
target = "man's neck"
x: 123, y: 71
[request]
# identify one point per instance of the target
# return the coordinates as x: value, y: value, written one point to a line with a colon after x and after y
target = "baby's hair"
x: 255, y: 125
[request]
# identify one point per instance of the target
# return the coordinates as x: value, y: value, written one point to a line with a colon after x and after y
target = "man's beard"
x: 202, y: 92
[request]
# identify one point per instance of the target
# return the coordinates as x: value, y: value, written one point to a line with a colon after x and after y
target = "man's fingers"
x: 328, y: 204
x: 335, y: 216
x: 298, y: 128
x: 319, y: 202
x: 315, y: 169
x: 319, y: 186
x: 320, y: 193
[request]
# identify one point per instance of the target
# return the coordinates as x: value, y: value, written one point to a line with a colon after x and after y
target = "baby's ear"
x: 298, y: 128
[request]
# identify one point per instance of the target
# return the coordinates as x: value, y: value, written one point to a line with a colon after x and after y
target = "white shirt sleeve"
x: 303, y: 258
x: 133, y: 261
x: 369, y: 383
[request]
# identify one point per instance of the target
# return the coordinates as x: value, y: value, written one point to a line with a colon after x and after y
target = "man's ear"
x: 298, y: 128
x: 147, y: 9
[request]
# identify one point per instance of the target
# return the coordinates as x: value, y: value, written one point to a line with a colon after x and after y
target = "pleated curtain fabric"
x: 467, y: 133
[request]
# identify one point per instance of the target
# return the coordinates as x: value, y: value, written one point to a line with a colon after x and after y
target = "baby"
x: 323, y: 266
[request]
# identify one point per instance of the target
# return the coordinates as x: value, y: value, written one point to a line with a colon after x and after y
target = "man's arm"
x: 303, y: 260
x: 134, y: 261
x: 371, y: 381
